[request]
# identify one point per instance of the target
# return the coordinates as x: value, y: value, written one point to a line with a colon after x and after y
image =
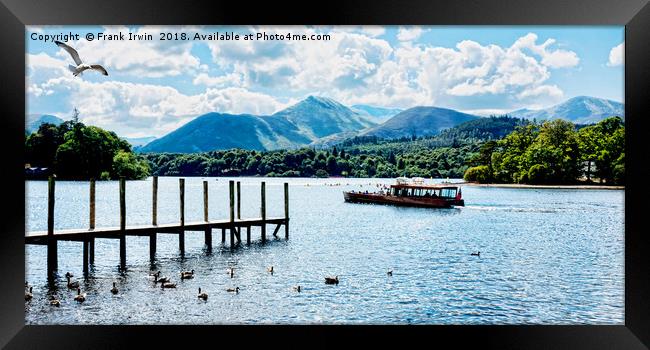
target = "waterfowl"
x: 203, y: 296
x: 28, y: 295
x: 160, y: 279
x: 476, y: 254
x: 72, y: 285
x: 167, y: 285
x: 389, y: 272
x: 296, y: 288
x: 187, y: 274
x: 114, y: 289
x: 233, y: 290
x: 80, y: 297
x: 55, y: 302
x: 68, y: 275
x: 332, y: 280
x: 270, y: 269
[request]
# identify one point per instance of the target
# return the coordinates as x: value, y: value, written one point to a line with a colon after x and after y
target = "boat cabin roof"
x: 426, y: 187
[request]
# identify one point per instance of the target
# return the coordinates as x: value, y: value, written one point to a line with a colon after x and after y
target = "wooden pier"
x: 87, y: 236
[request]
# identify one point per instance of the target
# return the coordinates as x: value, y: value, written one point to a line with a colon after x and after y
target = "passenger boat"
x: 413, y: 193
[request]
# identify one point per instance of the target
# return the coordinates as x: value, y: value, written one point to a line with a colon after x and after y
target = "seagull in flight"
x: 80, y: 67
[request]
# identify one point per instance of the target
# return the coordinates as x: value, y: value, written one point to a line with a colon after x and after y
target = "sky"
x: 155, y: 86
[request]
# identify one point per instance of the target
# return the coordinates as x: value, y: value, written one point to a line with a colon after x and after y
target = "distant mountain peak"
x: 578, y: 109
x: 419, y: 121
x: 324, y: 102
x: 34, y: 121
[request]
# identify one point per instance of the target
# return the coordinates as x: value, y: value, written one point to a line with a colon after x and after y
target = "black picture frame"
x: 634, y: 14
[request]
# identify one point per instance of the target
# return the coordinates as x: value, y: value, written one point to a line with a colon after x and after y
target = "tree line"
x: 554, y: 152
x: 308, y: 162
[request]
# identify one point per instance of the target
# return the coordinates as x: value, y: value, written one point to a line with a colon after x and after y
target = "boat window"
x: 448, y: 192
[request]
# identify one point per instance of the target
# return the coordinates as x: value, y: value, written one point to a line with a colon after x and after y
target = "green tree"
x: 480, y: 174
x: 126, y: 164
x: 556, y: 148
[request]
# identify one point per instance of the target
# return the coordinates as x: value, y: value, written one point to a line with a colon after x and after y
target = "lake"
x: 547, y: 257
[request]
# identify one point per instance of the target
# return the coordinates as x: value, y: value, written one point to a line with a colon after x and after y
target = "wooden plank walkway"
x: 41, y: 237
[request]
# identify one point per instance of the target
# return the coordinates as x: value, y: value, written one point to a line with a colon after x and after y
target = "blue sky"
x: 155, y: 86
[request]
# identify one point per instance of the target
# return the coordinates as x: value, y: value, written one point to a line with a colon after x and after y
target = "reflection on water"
x: 547, y: 257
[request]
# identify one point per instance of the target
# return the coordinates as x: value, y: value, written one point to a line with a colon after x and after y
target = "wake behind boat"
x: 412, y: 193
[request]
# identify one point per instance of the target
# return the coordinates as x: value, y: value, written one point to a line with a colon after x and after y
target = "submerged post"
x: 154, y: 202
x: 208, y: 230
x: 51, y: 242
x: 91, y: 224
x: 85, y: 243
x: 286, y: 210
x: 238, y: 200
x: 263, y: 211
x: 181, y: 235
x: 122, y: 224
x: 154, y: 218
x: 232, y: 212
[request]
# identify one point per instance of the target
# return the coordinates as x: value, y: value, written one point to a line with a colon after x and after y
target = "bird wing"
x: 71, y: 51
x: 99, y: 68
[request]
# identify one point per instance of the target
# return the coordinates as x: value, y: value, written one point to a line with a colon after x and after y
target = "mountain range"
x: 579, y: 110
x: 320, y: 121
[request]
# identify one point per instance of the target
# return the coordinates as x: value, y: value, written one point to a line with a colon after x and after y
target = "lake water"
x: 547, y: 257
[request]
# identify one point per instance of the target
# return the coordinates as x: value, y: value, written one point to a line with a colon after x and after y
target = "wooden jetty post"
x: 238, y: 200
x: 91, y: 224
x: 51, y: 242
x: 181, y: 233
x: 232, y: 213
x: 208, y: 231
x: 263, y: 211
x: 154, y: 218
x: 248, y: 234
x: 122, y: 224
x: 286, y: 210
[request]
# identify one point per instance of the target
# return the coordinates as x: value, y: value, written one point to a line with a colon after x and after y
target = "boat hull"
x: 425, y: 202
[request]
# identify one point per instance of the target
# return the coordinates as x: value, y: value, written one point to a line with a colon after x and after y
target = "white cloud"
x: 409, y: 33
x: 232, y: 79
x: 129, y: 108
x: 552, y: 58
x: 616, y: 55
x: 552, y: 91
x: 373, y: 31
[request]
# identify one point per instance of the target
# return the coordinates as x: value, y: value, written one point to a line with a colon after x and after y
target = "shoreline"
x: 557, y: 187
